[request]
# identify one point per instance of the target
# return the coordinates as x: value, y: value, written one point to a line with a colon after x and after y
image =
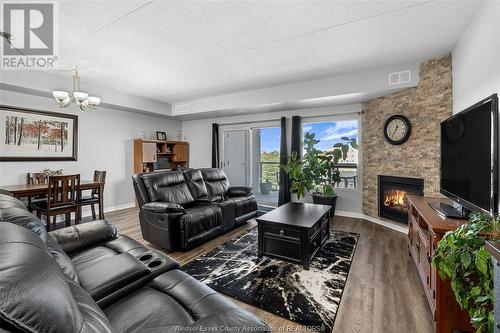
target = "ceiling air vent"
x: 181, y: 108
x: 400, y: 77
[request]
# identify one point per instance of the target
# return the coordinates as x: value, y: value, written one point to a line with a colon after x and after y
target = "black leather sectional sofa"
x: 183, y: 209
x: 88, y: 279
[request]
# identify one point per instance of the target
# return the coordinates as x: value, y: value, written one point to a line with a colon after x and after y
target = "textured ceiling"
x: 176, y: 50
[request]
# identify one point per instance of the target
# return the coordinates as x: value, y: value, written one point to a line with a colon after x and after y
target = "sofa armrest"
x: 163, y: 207
x: 82, y: 236
x: 239, y: 191
x: 160, y: 229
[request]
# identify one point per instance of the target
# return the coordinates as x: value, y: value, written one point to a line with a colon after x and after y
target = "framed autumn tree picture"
x: 33, y: 135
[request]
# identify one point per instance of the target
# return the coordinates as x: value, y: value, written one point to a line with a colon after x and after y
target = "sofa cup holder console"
x: 151, y: 261
x: 155, y: 263
x: 145, y: 257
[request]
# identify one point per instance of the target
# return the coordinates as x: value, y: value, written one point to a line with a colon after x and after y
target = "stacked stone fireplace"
x: 425, y: 105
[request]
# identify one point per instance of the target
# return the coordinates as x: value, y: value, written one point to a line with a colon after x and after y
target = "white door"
x: 234, y: 163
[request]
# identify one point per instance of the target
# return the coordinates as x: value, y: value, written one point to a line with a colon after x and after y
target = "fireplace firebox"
x: 392, y: 202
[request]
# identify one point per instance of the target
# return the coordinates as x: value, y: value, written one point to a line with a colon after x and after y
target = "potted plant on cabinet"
x: 461, y: 257
x: 317, y: 172
x: 266, y: 187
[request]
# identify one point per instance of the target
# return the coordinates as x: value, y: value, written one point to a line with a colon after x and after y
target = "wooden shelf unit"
x: 425, y: 229
x: 148, y: 152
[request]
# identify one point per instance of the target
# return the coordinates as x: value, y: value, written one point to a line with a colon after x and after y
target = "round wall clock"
x: 397, y: 129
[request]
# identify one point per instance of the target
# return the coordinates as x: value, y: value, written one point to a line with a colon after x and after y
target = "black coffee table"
x: 294, y: 232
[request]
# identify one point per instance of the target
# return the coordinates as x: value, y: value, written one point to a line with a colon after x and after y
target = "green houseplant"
x: 317, y: 172
x: 461, y: 257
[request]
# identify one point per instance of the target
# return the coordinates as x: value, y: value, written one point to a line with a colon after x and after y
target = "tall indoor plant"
x: 317, y: 172
x: 461, y: 257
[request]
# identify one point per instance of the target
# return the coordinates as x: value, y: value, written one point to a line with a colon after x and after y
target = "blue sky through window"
x: 270, y: 139
x: 330, y: 132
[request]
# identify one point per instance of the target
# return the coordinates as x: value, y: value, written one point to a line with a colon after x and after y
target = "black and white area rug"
x: 310, y: 298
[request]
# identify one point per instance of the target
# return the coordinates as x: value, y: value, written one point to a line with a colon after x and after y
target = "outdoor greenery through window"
x: 266, y: 165
x: 270, y: 156
x: 331, y: 132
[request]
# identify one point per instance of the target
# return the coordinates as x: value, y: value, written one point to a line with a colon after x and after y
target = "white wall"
x: 476, y: 58
x: 105, y: 143
x: 199, y: 134
x: 344, y: 87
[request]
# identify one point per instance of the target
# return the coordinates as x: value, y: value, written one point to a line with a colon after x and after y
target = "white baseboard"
x: 391, y: 225
x: 87, y: 212
x: 118, y: 207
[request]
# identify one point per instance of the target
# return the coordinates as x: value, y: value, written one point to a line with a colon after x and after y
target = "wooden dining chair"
x: 93, y: 198
x: 62, y: 198
x: 35, y: 178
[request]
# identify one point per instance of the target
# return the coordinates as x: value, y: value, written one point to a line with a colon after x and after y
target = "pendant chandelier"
x: 83, y: 100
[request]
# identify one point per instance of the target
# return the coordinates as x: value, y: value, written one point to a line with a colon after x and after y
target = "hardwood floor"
x: 383, y: 293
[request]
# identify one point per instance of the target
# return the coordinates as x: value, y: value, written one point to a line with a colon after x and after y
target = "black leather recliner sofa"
x: 88, y: 279
x: 183, y: 209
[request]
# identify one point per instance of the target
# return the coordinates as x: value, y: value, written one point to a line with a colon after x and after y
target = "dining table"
x: 32, y: 190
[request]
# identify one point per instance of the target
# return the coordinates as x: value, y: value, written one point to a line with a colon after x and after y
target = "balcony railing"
x: 269, y: 171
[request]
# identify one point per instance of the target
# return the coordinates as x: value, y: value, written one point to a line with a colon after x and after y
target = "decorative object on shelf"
x: 161, y: 136
x: 317, y: 171
x: 143, y: 134
x: 397, y: 129
x: 49, y: 173
x: 461, y: 257
x: 179, y: 135
x: 83, y: 100
x: 34, y: 135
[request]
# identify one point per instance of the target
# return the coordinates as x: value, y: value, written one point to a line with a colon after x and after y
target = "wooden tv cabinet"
x: 425, y: 229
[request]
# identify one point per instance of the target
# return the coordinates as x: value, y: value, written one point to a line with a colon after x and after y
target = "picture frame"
x: 36, y: 135
x: 161, y: 136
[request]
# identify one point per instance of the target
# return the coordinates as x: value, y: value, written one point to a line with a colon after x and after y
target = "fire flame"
x: 395, y: 198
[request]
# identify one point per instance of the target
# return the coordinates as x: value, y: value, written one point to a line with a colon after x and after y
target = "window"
x: 331, y: 132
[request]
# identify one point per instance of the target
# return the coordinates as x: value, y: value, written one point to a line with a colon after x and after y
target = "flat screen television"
x: 469, y: 166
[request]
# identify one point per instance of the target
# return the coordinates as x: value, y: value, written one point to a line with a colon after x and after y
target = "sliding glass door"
x: 265, y: 164
x: 250, y: 157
